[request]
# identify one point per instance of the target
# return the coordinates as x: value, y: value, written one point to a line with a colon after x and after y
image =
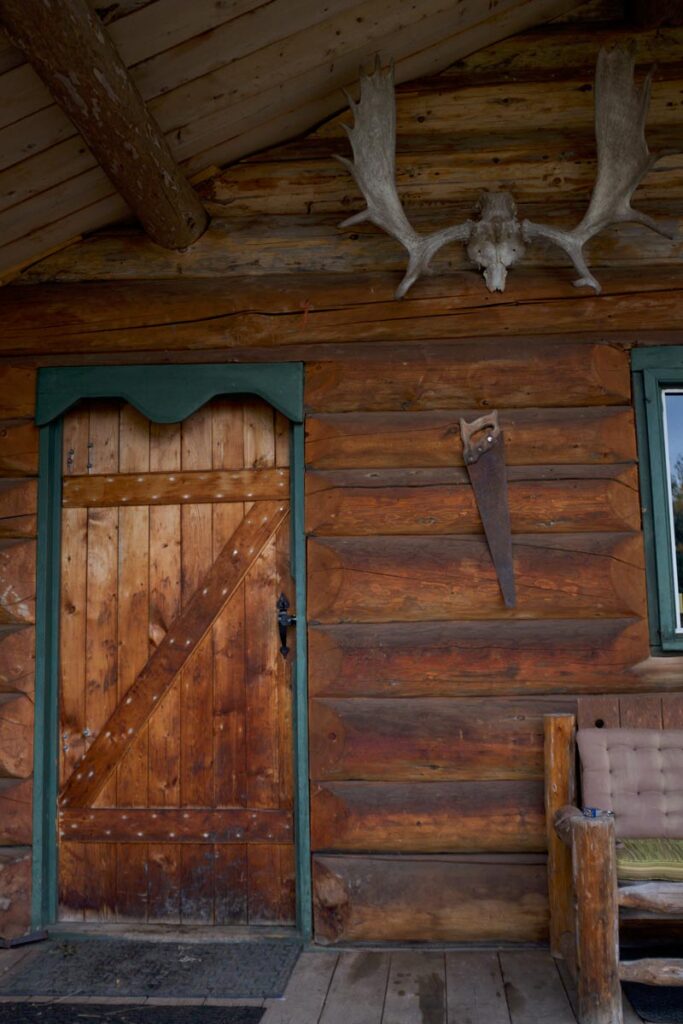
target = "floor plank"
x: 534, y: 989
x: 416, y: 989
x: 305, y: 994
x: 476, y: 992
x: 358, y: 988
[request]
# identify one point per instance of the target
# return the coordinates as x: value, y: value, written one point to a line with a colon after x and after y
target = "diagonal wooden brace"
x: 183, y: 637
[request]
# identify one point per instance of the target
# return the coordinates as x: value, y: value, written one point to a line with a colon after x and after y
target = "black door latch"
x: 284, y: 621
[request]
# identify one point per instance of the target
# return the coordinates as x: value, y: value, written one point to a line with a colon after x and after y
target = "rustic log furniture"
x: 584, y: 887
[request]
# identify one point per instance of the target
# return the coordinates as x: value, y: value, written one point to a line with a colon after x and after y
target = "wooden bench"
x: 585, y: 897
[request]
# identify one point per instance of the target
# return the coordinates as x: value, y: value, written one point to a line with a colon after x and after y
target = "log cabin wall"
x: 426, y: 695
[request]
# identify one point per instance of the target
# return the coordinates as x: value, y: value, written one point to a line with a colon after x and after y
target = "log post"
x: 559, y: 791
x: 597, y: 920
x: 69, y: 48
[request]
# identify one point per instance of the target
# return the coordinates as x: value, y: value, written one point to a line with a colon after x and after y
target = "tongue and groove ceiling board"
x: 223, y: 79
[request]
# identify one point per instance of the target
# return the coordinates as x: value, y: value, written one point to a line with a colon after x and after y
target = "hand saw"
x: 484, y: 454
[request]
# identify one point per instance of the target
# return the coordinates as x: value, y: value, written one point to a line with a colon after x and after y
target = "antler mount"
x: 497, y: 240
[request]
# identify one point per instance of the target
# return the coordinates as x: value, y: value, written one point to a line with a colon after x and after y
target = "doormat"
x: 657, y: 1004
x: 119, y: 967
x: 92, y: 1013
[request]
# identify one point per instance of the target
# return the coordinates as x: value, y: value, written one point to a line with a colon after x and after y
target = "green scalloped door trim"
x: 165, y: 394
x: 168, y: 394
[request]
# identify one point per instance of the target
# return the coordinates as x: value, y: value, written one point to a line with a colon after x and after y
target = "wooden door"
x: 175, y: 703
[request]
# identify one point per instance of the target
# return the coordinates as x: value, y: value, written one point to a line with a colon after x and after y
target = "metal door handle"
x: 284, y: 621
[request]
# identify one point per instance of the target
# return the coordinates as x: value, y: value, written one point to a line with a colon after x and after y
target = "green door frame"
x: 164, y: 394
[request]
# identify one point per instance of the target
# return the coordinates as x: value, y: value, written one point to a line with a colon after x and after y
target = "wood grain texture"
x: 16, y: 825
x: 423, y: 739
x: 206, y: 826
x: 433, y: 898
x: 559, y: 791
x: 16, y: 736
x: 15, y: 884
x: 17, y: 659
x: 459, y: 659
x: 381, y: 579
x: 524, y: 374
x: 180, y: 488
x: 532, y: 437
x: 18, y: 394
x: 18, y: 448
x: 17, y: 581
x: 369, y: 504
x: 427, y: 817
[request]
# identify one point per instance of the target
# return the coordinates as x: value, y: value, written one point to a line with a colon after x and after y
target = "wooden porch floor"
x: 408, y: 986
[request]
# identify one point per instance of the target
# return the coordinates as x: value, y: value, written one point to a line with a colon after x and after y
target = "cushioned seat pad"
x: 650, y: 859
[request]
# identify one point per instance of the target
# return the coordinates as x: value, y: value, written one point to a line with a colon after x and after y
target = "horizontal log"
x: 171, y: 825
x: 385, y: 579
x: 429, y: 739
x: 532, y: 437
x: 15, y: 886
x: 431, y: 898
x: 18, y: 448
x: 98, y: 490
x: 523, y: 375
x: 428, y: 817
x: 459, y: 659
x: 16, y: 736
x: 18, y: 507
x: 367, y: 507
x: 16, y: 812
x: 17, y: 581
x: 661, y: 897
x: 17, y: 659
x: 314, y: 244
x: 336, y: 308
x: 17, y: 392
x: 662, y: 971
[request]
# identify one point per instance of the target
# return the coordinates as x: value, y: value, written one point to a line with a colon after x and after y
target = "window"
x: 658, y: 394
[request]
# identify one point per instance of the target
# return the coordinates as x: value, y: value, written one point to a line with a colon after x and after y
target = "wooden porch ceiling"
x: 223, y: 79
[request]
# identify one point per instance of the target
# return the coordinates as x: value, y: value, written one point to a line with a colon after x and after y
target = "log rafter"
x: 69, y: 48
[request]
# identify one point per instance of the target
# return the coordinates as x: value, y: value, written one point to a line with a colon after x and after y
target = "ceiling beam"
x: 69, y: 47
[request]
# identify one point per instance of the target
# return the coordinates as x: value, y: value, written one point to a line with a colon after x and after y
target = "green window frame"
x: 656, y: 371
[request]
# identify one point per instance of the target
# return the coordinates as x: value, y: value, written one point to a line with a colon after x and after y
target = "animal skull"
x: 497, y: 240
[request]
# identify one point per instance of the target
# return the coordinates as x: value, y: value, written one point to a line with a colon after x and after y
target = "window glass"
x: 673, y: 431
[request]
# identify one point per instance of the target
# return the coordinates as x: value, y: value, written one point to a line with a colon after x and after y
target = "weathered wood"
x: 173, y: 488
x: 437, y: 739
x: 428, y: 817
x: 305, y: 310
x: 559, y: 787
x: 182, y: 638
x: 365, y: 973
x: 16, y: 825
x: 475, y: 988
x: 18, y: 507
x: 433, y: 898
x: 18, y: 393
x: 416, y: 987
x: 349, y: 507
x: 18, y: 448
x: 534, y: 989
x: 17, y: 659
x: 665, y: 897
x: 17, y: 581
x: 652, y: 972
x: 74, y: 56
x: 524, y: 373
x: 597, y: 920
x: 16, y: 736
x: 411, y: 579
x: 15, y: 885
x: 460, y: 659
x: 156, y: 825
x: 562, y: 822
x: 532, y: 437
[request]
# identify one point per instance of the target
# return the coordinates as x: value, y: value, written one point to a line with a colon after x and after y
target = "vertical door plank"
x: 164, y: 726
x: 102, y: 637
x: 416, y: 988
x: 475, y: 989
x: 229, y: 693
x: 133, y: 633
x: 196, y: 681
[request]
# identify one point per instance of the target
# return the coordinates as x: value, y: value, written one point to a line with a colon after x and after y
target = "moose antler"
x: 623, y: 160
x: 373, y: 141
